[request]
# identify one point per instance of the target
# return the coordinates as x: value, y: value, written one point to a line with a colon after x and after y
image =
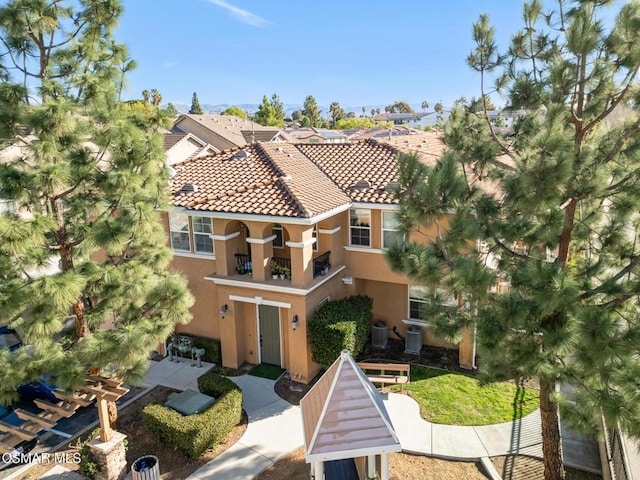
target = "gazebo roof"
x: 343, y: 416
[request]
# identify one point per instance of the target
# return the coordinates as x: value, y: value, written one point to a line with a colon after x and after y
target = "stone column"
x: 110, y: 456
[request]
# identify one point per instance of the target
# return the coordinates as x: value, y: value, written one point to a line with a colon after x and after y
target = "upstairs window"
x: 202, y: 231
x: 390, y: 229
x: 360, y: 227
x: 278, y: 242
x: 179, y: 230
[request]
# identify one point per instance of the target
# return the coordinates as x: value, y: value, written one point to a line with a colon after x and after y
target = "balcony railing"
x: 321, y: 264
x: 243, y: 263
x: 282, y: 262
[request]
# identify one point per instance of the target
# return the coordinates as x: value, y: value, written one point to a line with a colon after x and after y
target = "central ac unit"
x: 379, y: 334
x: 413, y: 340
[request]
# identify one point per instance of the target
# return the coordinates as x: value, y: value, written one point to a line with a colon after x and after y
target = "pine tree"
x: 195, y: 109
x: 270, y: 112
x: 556, y: 217
x: 88, y: 183
x: 311, y: 112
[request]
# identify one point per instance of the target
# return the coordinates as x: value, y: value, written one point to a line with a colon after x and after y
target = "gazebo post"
x: 384, y: 466
x: 371, y: 466
x: 318, y: 471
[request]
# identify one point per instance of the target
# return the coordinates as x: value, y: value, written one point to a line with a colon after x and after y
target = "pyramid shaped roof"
x: 344, y: 417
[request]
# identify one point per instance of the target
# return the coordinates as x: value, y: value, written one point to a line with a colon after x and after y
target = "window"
x: 179, y: 229
x: 418, y: 299
x: 314, y: 234
x: 202, y: 229
x: 390, y: 229
x: 278, y: 242
x: 360, y: 227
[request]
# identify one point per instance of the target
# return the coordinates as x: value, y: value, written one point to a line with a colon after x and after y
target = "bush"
x: 195, y: 434
x: 340, y: 325
x: 211, y: 349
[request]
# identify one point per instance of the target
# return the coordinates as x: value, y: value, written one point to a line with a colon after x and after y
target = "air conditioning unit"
x: 379, y: 334
x: 413, y: 340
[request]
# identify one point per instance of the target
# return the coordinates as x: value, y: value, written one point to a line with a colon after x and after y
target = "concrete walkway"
x: 275, y: 429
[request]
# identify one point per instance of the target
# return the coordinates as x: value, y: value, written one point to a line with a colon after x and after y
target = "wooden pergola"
x: 344, y: 417
x: 103, y: 389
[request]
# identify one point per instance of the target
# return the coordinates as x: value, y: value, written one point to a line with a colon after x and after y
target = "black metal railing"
x: 321, y: 264
x: 243, y: 263
x: 282, y: 262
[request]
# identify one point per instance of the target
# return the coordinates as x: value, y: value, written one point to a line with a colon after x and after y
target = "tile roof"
x: 363, y: 169
x: 274, y: 179
x: 302, y: 180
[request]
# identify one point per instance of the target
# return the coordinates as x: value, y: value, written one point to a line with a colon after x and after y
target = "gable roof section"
x: 349, y: 163
x: 228, y: 128
x: 273, y: 179
x: 343, y: 416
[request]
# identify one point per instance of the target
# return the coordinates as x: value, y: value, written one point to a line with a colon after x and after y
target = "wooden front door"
x: 269, y: 319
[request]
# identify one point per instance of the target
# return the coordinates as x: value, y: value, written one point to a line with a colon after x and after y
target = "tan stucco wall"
x: 238, y: 331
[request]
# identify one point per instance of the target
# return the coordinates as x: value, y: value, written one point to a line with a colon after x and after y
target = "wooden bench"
x: 387, y: 373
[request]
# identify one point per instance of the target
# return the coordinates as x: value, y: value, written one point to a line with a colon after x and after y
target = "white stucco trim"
x: 257, y: 300
x: 261, y: 241
x: 376, y: 206
x: 306, y: 243
x: 329, y: 231
x: 350, y: 248
x: 228, y: 282
x: 417, y: 323
x: 224, y: 238
x: 202, y: 256
x: 243, y: 217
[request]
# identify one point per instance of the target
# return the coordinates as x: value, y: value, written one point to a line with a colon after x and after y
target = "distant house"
x: 227, y: 131
x: 316, y: 135
x: 318, y: 217
x: 399, y: 118
x: 181, y: 146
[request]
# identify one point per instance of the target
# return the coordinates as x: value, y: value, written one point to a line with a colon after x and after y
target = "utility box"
x: 379, y: 334
x: 413, y: 340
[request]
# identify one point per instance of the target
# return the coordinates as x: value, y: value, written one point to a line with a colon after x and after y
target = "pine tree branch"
x: 601, y: 289
x: 623, y: 139
x: 508, y: 251
x: 615, y: 103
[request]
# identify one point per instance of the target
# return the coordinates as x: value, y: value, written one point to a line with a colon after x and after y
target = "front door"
x: 269, y: 318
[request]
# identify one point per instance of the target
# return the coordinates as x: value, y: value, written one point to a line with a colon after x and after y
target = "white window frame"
x: 207, y: 235
x: 416, y: 299
x: 395, y: 230
x: 425, y: 298
x: 354, y: 212
x: 177, y: 226
x: 278, y: 242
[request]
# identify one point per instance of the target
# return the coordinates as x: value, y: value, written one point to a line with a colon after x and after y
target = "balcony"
x: 321, y: 265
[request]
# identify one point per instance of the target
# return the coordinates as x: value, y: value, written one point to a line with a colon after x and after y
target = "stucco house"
x: 181, y: 146
x: 323, y: 212
x: 227, y: 131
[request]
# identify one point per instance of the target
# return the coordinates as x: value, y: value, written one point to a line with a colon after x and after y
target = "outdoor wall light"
x: 223, y: 310
x: 294, y: 322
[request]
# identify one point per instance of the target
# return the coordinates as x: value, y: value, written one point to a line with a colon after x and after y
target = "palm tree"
x: 425, y: 105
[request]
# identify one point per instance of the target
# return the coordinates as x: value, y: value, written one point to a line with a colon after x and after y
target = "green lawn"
x: 455, y: 399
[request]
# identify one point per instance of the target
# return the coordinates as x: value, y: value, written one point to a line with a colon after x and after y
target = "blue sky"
x: 356, y: 52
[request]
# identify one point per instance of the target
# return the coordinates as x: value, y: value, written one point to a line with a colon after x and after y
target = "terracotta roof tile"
x: 363, y: 169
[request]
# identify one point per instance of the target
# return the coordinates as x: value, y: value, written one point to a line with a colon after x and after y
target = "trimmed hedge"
x: 211, y: 348
x: 340, y: 325
x: 195, y: 434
